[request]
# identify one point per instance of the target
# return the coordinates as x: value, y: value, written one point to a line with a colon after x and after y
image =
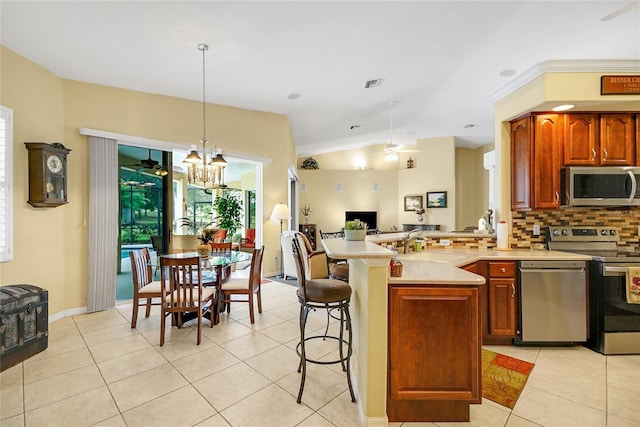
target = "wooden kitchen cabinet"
x: 600, y: 139
x: 617, y: 139
x: 434, y: 360
x: 547, y: 161
x: 637, y: 139
x: 581, y: 139
x: 536, y: 159
x: 521, y: 152
x: 497, y: 300
x: 502, y: 299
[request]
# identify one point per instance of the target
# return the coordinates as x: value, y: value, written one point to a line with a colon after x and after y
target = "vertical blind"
x: 103, y: 223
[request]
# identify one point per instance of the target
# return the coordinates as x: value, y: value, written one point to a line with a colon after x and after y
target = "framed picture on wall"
x: 437, y: 199
x: 413, y: 202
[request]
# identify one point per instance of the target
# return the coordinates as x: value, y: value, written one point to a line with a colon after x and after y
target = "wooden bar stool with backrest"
x: 143, y: 285
x: 244, y: 286
x: 327, y: 294
x: 180, y: 279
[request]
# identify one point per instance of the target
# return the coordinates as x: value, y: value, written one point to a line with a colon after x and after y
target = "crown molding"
x: 567, y: 66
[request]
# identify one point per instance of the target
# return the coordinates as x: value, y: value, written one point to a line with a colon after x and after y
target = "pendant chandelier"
x: 201, y: 171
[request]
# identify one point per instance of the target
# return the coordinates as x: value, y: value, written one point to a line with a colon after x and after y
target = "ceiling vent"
x: 373, y: 83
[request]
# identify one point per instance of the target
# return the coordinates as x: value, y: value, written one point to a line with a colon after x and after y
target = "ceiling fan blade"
x: 620, y: 11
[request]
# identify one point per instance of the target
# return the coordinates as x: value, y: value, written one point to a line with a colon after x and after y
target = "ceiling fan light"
x: 391, y: 157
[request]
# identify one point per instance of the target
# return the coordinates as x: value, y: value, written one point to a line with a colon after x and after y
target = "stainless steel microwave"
x: 600, y: 186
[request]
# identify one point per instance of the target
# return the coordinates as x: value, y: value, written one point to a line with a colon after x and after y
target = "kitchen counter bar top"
x: 439, y: 265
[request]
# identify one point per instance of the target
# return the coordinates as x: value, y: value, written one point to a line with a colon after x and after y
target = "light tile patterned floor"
x: 98, y: 371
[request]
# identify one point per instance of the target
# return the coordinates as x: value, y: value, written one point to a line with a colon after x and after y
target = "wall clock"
x: 47, y: 174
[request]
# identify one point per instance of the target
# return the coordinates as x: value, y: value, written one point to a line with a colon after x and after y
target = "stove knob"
x: 556, y: 232
x: 612, y: 232
x: 565, y: 233
x: 604, y: 232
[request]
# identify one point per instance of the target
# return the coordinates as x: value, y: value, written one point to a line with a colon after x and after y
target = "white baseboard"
x: 67, y: 313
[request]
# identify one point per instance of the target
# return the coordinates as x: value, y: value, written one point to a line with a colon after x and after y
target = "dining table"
x: 216, y: 269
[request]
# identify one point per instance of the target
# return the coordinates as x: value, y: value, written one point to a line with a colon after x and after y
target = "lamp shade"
x: 280, y: 212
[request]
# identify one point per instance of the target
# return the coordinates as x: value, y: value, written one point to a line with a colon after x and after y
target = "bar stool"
x: 325, y: 294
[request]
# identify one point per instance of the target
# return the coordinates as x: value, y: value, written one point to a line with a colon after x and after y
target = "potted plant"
x: 204, y: 248
x: 228, y: 210
x: 306, y: 211
x: 355, y: 230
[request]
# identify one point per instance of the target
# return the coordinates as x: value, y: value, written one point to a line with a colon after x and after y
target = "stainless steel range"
x: 614, y: 324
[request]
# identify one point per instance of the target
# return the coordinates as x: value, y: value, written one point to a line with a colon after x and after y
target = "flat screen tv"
x: 370, y: 217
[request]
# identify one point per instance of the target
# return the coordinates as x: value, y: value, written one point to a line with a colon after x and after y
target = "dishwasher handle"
x: 551, y: 270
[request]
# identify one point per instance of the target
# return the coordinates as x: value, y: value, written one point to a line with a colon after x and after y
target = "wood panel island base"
x: 416, y: 338
x: 435, y: 354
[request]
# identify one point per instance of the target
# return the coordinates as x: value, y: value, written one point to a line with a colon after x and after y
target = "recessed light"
x: 293, y: 96
x: 507, y: 73
x: 470, y: 126
x: 564, y: 107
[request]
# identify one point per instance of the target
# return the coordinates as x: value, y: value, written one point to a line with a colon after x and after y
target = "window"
x: 6, y: 184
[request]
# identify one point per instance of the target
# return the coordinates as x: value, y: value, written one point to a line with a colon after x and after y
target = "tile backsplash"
x: 626, y: 220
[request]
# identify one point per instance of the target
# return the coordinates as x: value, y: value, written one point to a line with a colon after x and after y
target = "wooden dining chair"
x: 180, y: 280
x: 244, y: 286
x: 221, y: 247
x: 143, y: 285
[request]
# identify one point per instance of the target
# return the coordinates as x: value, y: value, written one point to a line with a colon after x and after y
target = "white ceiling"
x: 440, y: 60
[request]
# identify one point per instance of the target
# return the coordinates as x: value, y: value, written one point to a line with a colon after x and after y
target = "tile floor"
x: 98, y: 371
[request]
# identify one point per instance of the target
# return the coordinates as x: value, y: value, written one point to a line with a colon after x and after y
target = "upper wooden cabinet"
x: 521, y: 148
x: 581, y: 135
x: 617, y: 139
x: 536, y: 159
x: 541, y: 144
x: 547, y: 161
x: 594, y: 139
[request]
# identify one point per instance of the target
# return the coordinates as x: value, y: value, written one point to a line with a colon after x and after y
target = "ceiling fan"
x: 150, y: 164
x: 391, y: 150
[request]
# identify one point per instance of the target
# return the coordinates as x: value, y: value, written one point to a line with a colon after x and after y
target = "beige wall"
x: 369, y: 158
x: 472, y: 185
x: 51, y: 244
x: 329, y: 205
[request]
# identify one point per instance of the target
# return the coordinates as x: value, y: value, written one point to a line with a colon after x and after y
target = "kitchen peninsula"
x: 426, y: 319
x: 417, y: 338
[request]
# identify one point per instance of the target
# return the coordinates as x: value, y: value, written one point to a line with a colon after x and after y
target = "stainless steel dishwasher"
x: 553, y: 297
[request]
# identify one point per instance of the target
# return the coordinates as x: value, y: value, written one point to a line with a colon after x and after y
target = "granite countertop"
x: 439, y: 266
x: 390, y: 237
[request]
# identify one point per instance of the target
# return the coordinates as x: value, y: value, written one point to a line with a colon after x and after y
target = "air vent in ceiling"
x: 373, y: 83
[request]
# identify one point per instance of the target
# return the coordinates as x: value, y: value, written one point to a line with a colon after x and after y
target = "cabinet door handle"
x: 513, y: 290
x: 593, y: 154
x: 557, y: 198
x: 502, y: 269
x: 606, y: 153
